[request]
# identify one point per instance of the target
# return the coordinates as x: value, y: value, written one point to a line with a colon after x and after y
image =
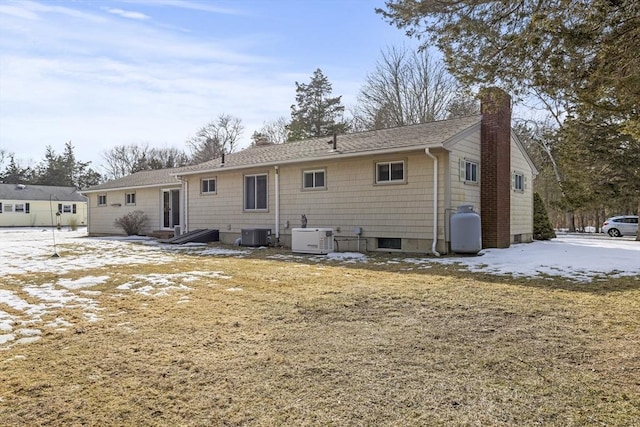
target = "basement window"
x: 389, y: 243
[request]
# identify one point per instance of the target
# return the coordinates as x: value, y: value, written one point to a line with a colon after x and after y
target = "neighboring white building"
x: 26, y: 205
x: 397, y: 186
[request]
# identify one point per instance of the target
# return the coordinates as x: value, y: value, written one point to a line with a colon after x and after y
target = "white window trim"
x: 214, y: 179
x: 514, y: 181
x: 105, y: 200
x: 244, y: 193
x: 314, y: 172
x: 463, y: 171
x: 126, y: 199
x: 391, y: 181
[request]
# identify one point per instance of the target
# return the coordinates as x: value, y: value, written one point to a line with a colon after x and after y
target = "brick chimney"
x: 495, y: 168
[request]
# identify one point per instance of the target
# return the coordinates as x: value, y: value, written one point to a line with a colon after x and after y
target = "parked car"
x: 625, y: 225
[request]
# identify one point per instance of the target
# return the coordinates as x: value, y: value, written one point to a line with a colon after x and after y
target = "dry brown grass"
x: 328, y: 344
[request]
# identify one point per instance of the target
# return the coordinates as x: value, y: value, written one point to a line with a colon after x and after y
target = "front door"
x: 170, y: 208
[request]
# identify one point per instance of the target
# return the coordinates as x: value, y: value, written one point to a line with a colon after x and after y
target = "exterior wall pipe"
x: 184, y: 212
x: 435, y: 201
x: 277, y: 185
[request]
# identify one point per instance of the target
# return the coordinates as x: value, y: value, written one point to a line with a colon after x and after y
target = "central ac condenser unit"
x: 312, y: 240
x: 255, y: 236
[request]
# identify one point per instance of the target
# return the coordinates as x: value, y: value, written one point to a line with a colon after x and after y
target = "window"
x: 390, y: 172
x: 255, y: 192
x: 102, y: 200
x: 313, y: 179
x: 130, y: 199
x: 8, y: 207
x: 469, y: 171
x: 18, y: 207
x: 208, y: 186
x: 389, y: 243
x: 518, y: 181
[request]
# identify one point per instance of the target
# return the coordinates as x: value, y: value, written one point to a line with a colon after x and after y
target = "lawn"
x: 265, y: 339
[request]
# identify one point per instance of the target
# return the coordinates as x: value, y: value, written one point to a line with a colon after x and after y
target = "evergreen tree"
x: 316, y: 113
x: 15, y: 174
x: 542, y: 228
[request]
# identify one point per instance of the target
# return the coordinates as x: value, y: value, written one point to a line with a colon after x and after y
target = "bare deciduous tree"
x: 405, y: 88
x: 216, y: 137
x: 275, y: 131
x: 124, y: 160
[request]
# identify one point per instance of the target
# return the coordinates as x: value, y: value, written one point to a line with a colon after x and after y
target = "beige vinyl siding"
x: 40, y: 213
x: 465, y: 193
x: 351, y: 198
x: 148, y: 200
x: 521, y: 201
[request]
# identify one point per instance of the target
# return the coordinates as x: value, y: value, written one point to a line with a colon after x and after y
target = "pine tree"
x: 316, y: 113
x: 542, y: 228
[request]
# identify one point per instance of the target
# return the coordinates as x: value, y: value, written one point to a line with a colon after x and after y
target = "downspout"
x: 185, y: 205
x: 277, y: 184
x: 435, y: 202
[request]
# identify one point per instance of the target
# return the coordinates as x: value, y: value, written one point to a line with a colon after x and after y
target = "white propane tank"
x: 466, y: 237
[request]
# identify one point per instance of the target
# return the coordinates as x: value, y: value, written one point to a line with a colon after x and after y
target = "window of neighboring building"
x: 130, y: 199
x: 518, y: 181
x: 469, y: 171
x: 255, y: 192
x: 102, y: 200
x: 313, y: 179
x: 388, y: 172
x: 8, y: 207
x: 389, y: 243
x: 208, y: 186
x: 18, y: 207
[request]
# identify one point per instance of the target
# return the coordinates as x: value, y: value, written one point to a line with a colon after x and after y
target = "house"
x: 391, y: 190
x: 26, y: 205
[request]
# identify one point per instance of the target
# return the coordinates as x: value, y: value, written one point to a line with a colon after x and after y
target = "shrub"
x: 132, y: 223
x: 542, y: 228
x: 73, y: 223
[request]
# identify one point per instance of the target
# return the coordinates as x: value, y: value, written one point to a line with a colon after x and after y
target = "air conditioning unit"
x: 255, y: 236
x: 312, y: 240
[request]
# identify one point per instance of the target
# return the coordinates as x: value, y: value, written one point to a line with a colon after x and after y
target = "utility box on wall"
x: 312, y: 240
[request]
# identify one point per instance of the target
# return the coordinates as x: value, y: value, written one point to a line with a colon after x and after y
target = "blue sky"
x: 106, y: 73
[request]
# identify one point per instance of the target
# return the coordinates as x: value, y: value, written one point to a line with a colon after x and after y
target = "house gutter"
x: 435, y: 201
x: 277, y: 184
x: 185, y: 208
x: 331, y: 156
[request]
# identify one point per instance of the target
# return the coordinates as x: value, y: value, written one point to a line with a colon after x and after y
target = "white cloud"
x: 127, y: 14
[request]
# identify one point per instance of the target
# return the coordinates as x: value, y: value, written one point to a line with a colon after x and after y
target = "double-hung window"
x: 255, y: 192
x: 130, y: 199
x: 469, y: 171
x: 102, y: 200
x: 313, y: 179
x: 518, y: 181
x: 208, y: 186
x: 390, y: 172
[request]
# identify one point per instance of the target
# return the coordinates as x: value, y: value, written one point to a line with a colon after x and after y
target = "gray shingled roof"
x: 422, y: 135
x: 152, y: 178
x: 30, y: 192
x: 433, y: 134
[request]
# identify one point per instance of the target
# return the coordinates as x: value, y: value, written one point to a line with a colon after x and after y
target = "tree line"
x: 405, y: 88
x: 575, y: 61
